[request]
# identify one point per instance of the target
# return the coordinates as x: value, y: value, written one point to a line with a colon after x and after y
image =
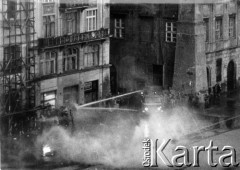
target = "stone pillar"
x: 190, y: 72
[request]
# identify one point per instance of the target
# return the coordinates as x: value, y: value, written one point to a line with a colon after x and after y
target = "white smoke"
x: 115, y: 138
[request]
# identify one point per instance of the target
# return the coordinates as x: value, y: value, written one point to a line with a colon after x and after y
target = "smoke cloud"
x: 114, y: 138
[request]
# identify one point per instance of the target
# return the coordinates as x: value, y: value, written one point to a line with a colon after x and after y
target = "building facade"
x: 84, y: 50
x: 92, y: 49
x: 207, y: 49
x: 143, y: 45
x: 17, y: 64
x: 73, y: 56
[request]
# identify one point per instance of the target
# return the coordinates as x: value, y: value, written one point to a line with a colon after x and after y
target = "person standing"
x: 201, y: 101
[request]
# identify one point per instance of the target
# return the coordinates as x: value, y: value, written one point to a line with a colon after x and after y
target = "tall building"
x: 51, y: 52
x: 189, y: 47
x: 207, y: 49
x: 142, y: 49
x: 73, y: 51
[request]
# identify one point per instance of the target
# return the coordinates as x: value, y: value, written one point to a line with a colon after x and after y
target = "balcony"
x: 73, y: 39
x: 73, y: 5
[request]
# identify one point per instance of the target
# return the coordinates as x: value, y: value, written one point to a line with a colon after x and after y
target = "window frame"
x: 45, y: 63
x: 206, y: 24
x: 218, y: 31
x: 67, y: 59
x: 48, y: 1
x: 48, y: 29
x: 120, y: 28
x: 232, y: 27
x: 11, y: 9
x: 46, y: 102
x: 93, y: 51
x: 172, y: 32
x: 90, y: 20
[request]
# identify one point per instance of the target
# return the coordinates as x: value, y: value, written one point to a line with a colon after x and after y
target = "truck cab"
x: 153, y: 102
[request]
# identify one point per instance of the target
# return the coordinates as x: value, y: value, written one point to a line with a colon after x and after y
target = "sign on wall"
x: 48, y: 9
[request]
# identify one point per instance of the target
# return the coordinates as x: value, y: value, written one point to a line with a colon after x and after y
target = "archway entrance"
x: 231, y: 76
x: 209, y: 77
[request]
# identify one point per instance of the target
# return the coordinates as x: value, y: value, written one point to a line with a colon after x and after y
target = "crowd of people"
x: 172, y: 98
x: 201, y: 100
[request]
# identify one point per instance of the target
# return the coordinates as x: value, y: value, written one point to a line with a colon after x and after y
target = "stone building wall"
x: 198, y: 48
x: 143, y: 47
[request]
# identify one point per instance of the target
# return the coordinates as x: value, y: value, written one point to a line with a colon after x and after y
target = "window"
x: 49, y: 26
x: 232, y: 25
x: 41, y: 68
x: 91, y: 20
x: 206, y: 24
x: 48, y: 1
x: 11, y: 8
x: 48, y: 63
x: 218, y: 28
x: 70, y: 23
x: 49, y: 98
x: 70, y: 59
x: 12, y: 58
x: 91, y: 56
x: 171, y: 31
x: 219, y: 70
x: 119, y: 28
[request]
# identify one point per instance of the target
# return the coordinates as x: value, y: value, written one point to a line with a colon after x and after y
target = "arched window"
x: 209, y: 76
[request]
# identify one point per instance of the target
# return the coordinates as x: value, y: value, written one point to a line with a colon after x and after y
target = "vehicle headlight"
x: 146, y: 109
x: 46, y: 150
x: 159, y: 108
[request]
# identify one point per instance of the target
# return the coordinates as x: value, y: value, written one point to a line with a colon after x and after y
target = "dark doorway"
x: 157, y: 75
x: 209, y: 77
x: 219, y: 70
x: 91, y: 91
x: 70, y: 95
x: 231, y: 76
x: 113, y: 79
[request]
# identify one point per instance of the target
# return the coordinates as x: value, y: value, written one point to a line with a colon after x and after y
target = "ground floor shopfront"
x: 78, y: 88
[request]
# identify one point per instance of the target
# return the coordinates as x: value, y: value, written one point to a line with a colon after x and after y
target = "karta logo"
x: 152, y: 152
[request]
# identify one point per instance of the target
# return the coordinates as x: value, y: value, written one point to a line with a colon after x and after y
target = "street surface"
x: 222, y: 127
